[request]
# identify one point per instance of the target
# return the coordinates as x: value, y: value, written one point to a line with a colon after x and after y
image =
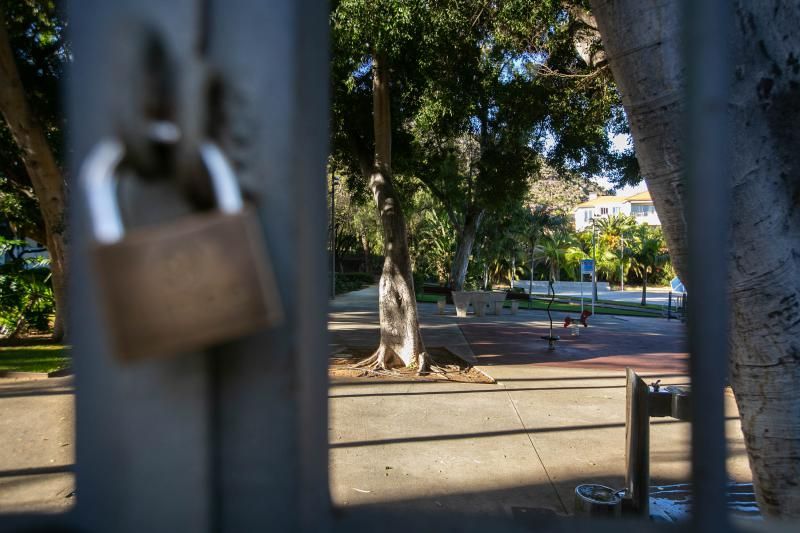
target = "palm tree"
x: 612, y: 235
x: 559, y: 250
x: 538, y: 220
x: 648, y: 252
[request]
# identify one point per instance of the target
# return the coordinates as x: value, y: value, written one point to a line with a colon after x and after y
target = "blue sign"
x: 677, y: 285
x: 587, y: 266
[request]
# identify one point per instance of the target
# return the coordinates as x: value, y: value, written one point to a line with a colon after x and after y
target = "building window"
x: 603, y: 210
x: 615, y: 210
x: 587, y: 215
x: 642, y: 210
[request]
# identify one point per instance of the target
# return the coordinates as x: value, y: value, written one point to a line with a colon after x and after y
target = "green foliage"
x: 352, y: 281
x: 432, y: 239
x: 485, y: 97
x: 559, y: 250
x: 419, y: 282
x: 26, y: 295
x: 614, y: 256
x: 36, y: 32
x: 482, y: 95
x: 648, y: 252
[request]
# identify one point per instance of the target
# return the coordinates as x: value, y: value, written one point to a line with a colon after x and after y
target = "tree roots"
x: 385, y: 359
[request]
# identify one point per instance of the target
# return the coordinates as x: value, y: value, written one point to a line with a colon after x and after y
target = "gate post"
x: 234, y: 439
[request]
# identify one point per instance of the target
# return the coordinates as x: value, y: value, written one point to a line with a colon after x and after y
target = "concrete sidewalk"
x: 37, y: 420
x: 552, y: 421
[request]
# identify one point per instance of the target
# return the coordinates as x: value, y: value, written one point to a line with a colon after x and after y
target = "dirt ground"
x: 448, y: 367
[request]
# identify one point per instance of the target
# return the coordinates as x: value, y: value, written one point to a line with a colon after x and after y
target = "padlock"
x: 181, y: 286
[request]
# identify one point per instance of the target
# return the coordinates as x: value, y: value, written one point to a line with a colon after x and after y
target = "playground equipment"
x: 572, y: 323
x: 550, y: 338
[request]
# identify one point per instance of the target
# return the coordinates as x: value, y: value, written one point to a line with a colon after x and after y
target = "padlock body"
x: 187, y: 285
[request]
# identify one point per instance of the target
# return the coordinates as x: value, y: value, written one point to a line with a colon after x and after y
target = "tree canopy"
x: 36, y: 35
x: 485, y: 97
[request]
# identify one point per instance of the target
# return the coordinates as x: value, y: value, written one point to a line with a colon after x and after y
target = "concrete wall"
x: 540, y: 287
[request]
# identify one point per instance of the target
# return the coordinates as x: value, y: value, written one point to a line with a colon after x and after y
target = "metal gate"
x: 184, y: 445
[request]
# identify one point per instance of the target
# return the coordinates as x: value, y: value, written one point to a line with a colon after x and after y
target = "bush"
x: 352, y: 281
x: 363, y: 277
x: 419, y: 283
x: 26, y: 296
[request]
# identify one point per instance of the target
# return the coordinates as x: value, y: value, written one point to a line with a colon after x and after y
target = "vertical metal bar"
x: 142, y: 447
x: 594, y: 267
x: 333, y: 236
x: 706, y: 26
x: 308, y: 156
x: 622, y: 263
x: 272, y: 60
x: 669, y: 306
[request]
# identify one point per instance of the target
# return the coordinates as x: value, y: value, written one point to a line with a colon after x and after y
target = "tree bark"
x: 401, y: 341
x: 641, y: 39
x: 466, y: 241
x: 642, y: 48
x: 44, y: 172
x: 765, y: 288
x: 365, y: 249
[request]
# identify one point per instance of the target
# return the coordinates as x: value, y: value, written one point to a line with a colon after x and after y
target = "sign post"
x: 587, y: 271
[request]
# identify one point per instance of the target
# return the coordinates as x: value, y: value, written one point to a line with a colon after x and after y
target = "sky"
x: 621, y: 142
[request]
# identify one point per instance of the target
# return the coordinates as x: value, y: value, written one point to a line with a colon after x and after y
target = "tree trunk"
x: 641, y: 39
x: 45, y: 174
x: 365, y: 249
x: 641, y: 43
x: 401, y: 340
x: 466, y: 240
x: 644, y: 289
x: 765, y: 298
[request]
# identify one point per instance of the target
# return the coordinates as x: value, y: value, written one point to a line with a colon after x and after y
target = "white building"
x: 639, y: 205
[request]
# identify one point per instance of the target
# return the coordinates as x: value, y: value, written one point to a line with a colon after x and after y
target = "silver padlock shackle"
x: 98, y: 178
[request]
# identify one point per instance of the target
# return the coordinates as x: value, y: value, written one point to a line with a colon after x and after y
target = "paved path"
x: 647, y: 345
x: 552, y: 421
x: 36, y: 445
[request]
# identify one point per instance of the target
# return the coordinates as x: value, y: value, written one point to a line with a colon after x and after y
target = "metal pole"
x: 669, y: 306
x: 706, y: 36
x: 594, y: 267
x: 530, y: 285
x: 333, y: 236
x: 622, y: 263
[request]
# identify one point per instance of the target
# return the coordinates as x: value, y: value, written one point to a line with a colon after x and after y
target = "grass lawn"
x: 541, y: 305
x: 44, y: 358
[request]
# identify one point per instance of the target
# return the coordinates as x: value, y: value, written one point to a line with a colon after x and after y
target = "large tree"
x: 513, y: 92
x: 371, y: 40
x: 642, y: 42
x: 32, y: 50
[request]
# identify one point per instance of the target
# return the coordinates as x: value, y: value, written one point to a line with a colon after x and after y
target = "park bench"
x: 480, y: 300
